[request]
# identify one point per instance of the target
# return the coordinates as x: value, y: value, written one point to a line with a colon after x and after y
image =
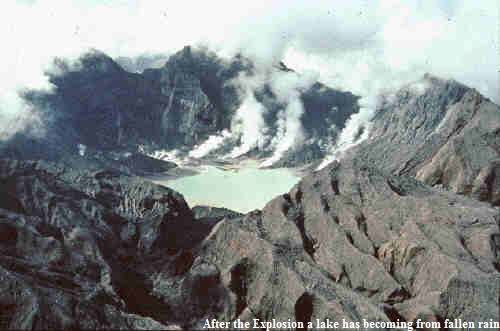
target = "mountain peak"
x: 98, y: 62
x: 94, y: 63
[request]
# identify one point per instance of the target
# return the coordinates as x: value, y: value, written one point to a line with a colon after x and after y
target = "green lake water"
x: 243, y: 190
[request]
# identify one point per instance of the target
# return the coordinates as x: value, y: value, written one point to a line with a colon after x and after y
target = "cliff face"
x: 179, y: 105
x: 200, y: 100
x: 104, y: 250
x: 447, y: 135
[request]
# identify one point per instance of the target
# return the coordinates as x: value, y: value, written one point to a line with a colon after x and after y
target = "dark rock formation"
x: 98, y: 104
x: 63, y: 234
x: 447, y: 136
x: 106, y: 250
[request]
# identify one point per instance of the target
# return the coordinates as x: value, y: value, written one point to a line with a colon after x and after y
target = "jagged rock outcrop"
x: 200, y: 100
x: 97, y: 104
x: 63, y: 234
x: 106, y: 250
x: 442, y: 133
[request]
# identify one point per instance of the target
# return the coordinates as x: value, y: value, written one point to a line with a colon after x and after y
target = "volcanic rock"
x: 440, y: 132
x: 107, y: 250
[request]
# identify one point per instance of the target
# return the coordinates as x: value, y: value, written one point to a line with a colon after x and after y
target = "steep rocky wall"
x: 194, y: 95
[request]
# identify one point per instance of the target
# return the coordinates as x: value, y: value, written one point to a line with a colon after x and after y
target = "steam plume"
x: 358, y: 45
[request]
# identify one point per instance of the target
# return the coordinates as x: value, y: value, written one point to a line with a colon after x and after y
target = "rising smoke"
x: 212, y: 143
x: 248, y: 124
x: 366, y: 47
x: 287, y: 87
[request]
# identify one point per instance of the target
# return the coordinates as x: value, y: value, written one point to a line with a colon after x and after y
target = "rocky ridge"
x: 447, y: 135
x: 106, y: 250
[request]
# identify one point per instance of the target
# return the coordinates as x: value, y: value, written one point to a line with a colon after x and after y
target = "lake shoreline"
x: 241, y: 186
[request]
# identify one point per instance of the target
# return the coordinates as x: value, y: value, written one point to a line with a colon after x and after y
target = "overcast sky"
x: 359, y: 45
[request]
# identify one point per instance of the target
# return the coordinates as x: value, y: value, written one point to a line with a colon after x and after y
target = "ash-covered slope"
x: 442, y: 133
x: 97, y: 104
x: 104, y: 250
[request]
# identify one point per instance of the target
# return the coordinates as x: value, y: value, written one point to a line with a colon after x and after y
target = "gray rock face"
x: 448, y: 135
x: 191, y: 112
x: 105, y: 250
x: 63, y: 234
x: 98, y: 104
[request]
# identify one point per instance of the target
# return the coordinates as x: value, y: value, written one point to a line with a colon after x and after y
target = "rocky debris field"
x: 102, y: 249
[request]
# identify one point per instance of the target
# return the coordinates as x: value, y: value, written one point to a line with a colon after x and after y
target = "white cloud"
x: 451, y: 39
x: 362, y: 46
